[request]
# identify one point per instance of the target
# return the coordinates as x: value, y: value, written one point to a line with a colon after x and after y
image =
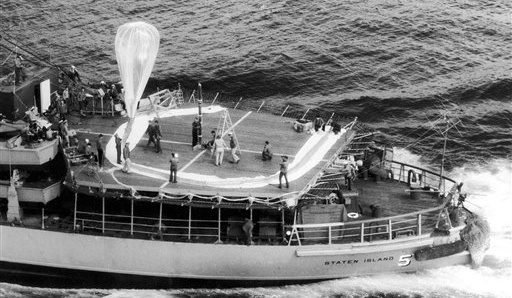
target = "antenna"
x: 446, y: 117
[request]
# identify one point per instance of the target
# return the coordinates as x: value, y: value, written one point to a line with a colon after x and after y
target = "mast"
x: 449, y: 125
x: 199, y: 103
x: 445, y: 135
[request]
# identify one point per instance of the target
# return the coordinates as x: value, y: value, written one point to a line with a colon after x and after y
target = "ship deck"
x: 197, y: 173
x: 198, y: 176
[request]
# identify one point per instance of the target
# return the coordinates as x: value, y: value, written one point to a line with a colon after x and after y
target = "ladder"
x: 225, y: 125
x: 177, y: 95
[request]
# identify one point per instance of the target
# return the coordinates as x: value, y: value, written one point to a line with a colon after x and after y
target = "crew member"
x: 283, y: 171
x: 99, y: 148
x: 19, y: 73
x: 126, y: 156
x: 233, y: 146
x: 174, y: 167
x: 267, y: 151
x: 157, y: 136
x: 196, y: 128
x: 218, y: 148
x: 118, y: 147
x: 319, y: 123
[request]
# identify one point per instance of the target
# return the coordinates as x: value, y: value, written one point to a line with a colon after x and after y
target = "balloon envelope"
x: 136, y: 49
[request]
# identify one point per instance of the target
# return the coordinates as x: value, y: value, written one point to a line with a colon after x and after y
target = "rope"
x: 7, y: 58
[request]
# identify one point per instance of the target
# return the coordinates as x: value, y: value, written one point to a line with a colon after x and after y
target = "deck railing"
x: 173, y: 229
x: 426, y: 178
x: 386, y: 228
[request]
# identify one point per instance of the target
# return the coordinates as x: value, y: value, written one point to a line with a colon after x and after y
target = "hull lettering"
x: 355, y: 261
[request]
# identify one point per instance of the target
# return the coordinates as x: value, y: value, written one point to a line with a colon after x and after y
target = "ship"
x: 346, y: 207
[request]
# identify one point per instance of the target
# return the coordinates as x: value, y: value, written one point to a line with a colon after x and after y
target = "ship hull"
x: 70, y: 259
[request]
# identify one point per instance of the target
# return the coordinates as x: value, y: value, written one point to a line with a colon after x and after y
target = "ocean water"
x: 397, y: 65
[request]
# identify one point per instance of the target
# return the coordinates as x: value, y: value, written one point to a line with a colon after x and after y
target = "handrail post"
x: 390, y: 229
x: 330, y: 230
x: 362, y: 232
x: 286, y: 109
x: 131, y: 218
x: 282, y: 224
x: 237, y: 103
x: 260, y: 107
x: 215, y: 98
x: 103, y: 215
x: 303, y: 116
x: 160, y: 218
x: 189, y: 221
x: 74, y: 211
x: 42, y: 218
x: 419, y: 223
x: 218, y: 227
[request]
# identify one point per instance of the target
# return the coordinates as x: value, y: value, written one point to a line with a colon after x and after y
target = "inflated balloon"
x: 136, y: 49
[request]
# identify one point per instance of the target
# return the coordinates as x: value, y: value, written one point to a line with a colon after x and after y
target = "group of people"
x: 85, y: 148
x: 72, y: 94
x: 219, y: 146
x: 318, y: 124
x: 125, y: 153
x: 70, y: 90
x: 216, y: 145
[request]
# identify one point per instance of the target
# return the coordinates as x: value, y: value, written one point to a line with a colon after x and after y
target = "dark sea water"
x: 397, y: 65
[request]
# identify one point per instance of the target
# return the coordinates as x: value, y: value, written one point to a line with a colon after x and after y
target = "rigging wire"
x: 5, y: 47
x: 1, y: 64
x: 23, y: 48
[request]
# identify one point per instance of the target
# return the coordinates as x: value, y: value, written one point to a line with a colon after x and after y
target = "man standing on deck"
x: 157, y: 136
x: 151, y: 133
x: 19, y: 74
x: 232, y: 146
x: 174, y: 168
x: 218, y: 148
x: 319, y: 123
x: 64, y: 132
x: 82, y: 103
x: 74, y: 75
x: 284, y: 170
x: 100, y: 147
x: 118, y: 147
x: 126, y: 156
x: 196, y: 127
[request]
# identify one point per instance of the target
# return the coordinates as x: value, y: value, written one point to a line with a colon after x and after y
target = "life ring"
x: 411, y: 177
x: 390, y: 175
x: 353, y: 215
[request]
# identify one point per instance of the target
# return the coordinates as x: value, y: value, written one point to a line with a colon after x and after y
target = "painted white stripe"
x: 309, y: 155
x: 363, y: 250
x: 202, y: 152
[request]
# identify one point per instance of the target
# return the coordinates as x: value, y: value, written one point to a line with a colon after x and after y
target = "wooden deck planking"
x: 176, y: 131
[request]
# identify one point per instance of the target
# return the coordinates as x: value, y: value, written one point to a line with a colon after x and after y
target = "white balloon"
x: 137, y: 46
